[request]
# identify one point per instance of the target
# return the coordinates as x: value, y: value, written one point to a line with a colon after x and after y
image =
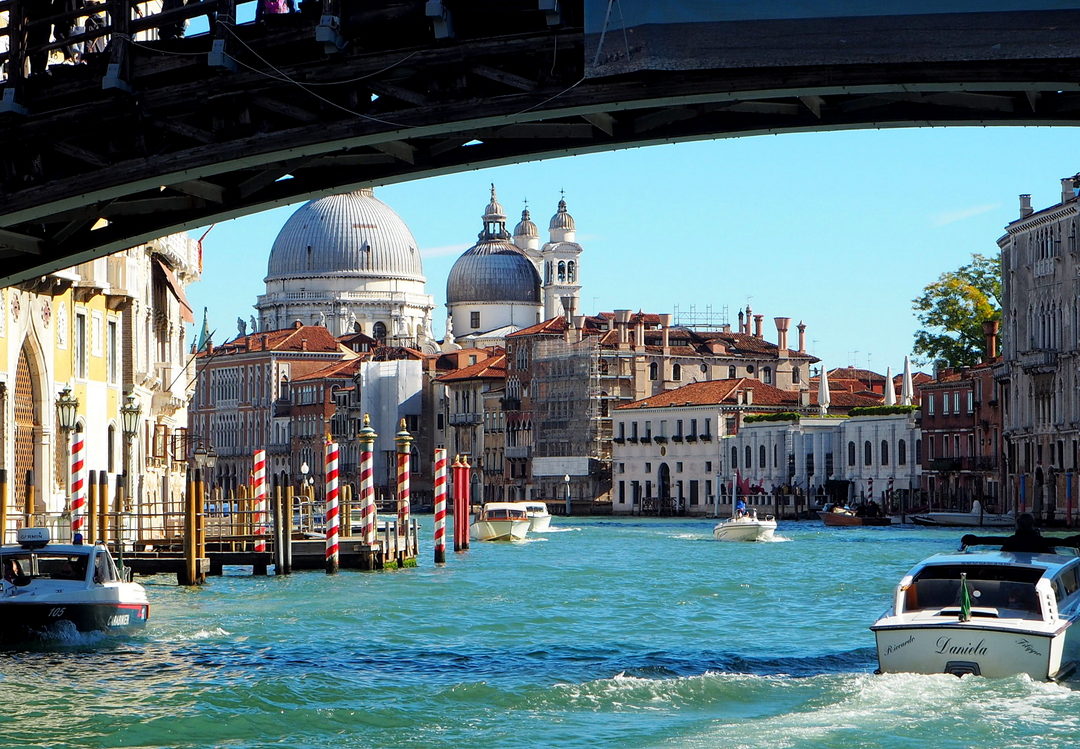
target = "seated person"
x: 1027, y: 538
x: 12, y: 570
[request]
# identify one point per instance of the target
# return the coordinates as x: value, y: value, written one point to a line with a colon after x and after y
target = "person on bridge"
x: 175, y: 30
x: 267, y: 8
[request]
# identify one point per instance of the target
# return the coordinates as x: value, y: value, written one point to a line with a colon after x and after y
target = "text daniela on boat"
x: 45, y: 584
x: 990, y: 613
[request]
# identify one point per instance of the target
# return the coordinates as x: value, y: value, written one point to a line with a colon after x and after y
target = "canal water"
x: 618, y: 632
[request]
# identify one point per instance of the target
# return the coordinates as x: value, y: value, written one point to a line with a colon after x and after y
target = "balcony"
x: 619, y: 440
x: 518, y: 452
x: 691, y: 438
x: 1043, y: 267
x: 660, y: 440
x: 705, y: 437
x: 677, y: 438
x: 646, y: 439
x: 510, y: 404
x: 1039, y: 360
x: 462, y: 419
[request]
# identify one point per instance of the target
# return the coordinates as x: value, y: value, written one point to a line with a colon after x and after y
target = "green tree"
x: 952, y: 310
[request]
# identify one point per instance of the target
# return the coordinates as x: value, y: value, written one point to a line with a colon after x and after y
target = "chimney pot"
x: 1025, y: 206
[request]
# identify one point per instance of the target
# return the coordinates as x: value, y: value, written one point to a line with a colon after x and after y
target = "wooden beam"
x: 80, y: 153
x: 661, y: 117
x: 545, y: 130
x: 399, y: 93
x: 601, y: 121
x: 399, y: 149
x: 21, y: 243
x: 146, y: 206
x: 501, y: 76
x: 187, y: 131
x: 290, y: 110
x: 813, y: 103
x: 201, y: 188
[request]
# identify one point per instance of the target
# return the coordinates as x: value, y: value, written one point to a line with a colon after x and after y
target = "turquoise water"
x: 629, y: 633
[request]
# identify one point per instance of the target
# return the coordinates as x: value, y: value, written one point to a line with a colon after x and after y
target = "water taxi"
x: 44, y: 584
x: 539, y: 517
x: 988, y: 613
x: 501, y: 521
x: 974, y: 519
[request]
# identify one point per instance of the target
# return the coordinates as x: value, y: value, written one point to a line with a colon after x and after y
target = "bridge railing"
x: 28, y: 39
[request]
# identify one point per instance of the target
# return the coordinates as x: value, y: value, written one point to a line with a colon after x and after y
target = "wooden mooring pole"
x: 285, y: 512
x: 188, y: 576
x: 28, y: 507
x: 103, y: 508
x: 3, y: 505
x: 91, y: 507
x: 440, y: 505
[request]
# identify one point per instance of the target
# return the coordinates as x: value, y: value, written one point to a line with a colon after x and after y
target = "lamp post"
x: 130, y: 415
x: 566, y: 480
x: 67, y: 412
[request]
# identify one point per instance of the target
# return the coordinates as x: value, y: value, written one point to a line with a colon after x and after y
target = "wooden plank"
x: 80, y: 153
x: 201, y: 188
x: 501, y: 76
x: 601, y: 121
x: 21, y: 243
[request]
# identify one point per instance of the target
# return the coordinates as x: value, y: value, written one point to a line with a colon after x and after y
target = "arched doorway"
x: 663, y: 489
x: 27, y: 429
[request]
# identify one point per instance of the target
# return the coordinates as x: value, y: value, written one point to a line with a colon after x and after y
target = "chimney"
x: 759, y: 326
x: 1067, y: 189
x: 622, y: 319
x: 748, y: 320
x: 990, y: 330
x: 639, y: 331
x: 804, y: 398
x: 749, y: 396
x: 802, y: 336
x: 782, y: 325
x: 297, y: 325
x: 1025, y: 206
x: 665, y: 324
x: 303, y: 344
x: 568, y: 307
x: 741, y: 321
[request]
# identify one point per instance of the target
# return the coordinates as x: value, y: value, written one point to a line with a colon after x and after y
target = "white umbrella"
x: 907, y: 392
x: 823, y: 398
x: 890, y: 388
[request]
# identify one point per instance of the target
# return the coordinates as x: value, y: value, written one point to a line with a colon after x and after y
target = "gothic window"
x: 901, y: 453
x: 653, y: 371
x: 571, y: 271
x: 676, y: 372
x: 734, y: 458
x: 884, y: 453
x: 562, y: 272
x: 761, y: 456
x: 851, y: 453
x: 749, y: 457
x: 378, y: 332
x: 868, y: 453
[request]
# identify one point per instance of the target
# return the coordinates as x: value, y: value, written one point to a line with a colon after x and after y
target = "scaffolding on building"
x: 707, y: 319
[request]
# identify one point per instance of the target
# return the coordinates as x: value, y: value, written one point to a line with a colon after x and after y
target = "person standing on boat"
x: 740, y: 507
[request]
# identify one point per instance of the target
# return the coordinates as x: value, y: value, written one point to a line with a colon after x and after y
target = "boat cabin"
x: 503, y: 513
x: 1000, y: 585
x: 36, y: 559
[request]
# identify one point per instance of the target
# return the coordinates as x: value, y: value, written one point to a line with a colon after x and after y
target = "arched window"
x: 653, y: 371
x: 111, y: 450
x: 562, y: 272
x: 884, y: 452
x: 378, y: 332
x: 761, y: 457
x: 749, y: 457
x: 851, y: 453
x: 676, y: 372
x: 868, y: 453
x: 766, y: 375
x: 571, y: 271
x: 731, y: 373
x: 901, y: 453
x: 547, y: 272
x: 794, y: 374
x: 734, y: 458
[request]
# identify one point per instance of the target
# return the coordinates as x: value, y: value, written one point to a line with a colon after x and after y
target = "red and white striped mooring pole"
x: 440, y: 505
x: 333, y: 520
x: 366, y: 438
x: 258, y: 492
x: 78, y: 485
x: 403, y: 440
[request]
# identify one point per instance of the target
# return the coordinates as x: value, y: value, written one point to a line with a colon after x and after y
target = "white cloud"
x: 450, y: 249
x: 951, y: 217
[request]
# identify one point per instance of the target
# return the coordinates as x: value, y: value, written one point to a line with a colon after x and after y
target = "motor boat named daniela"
x: 988, y: 613
x: 976, y: 518
x: 539, y: 517
x: 501, y: 521
x: 746, y: 527
x: 45, y: 584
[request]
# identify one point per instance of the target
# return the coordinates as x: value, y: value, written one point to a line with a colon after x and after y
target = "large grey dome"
x: 350, y: 235
x: 493, y: 271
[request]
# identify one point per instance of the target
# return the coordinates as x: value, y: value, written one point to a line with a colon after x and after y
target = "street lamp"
x: 566, y: 480
x: 130, y: 415
x: 67, y: 413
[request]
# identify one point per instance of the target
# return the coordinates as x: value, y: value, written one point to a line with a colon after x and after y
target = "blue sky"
x: 839, y: 229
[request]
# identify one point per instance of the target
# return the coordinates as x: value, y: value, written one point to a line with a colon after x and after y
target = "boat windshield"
x: 51, y: 565
x: 502, y: 513
x: 1010, y: 591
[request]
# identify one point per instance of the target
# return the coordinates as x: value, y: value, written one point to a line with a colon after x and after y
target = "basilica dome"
x: 349, y: 235
x: 494, y: 269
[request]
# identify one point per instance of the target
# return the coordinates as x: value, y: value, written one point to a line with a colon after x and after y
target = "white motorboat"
x: 539, y: 517
x: 745, y: 528
x: 975, y: 518
x: 500, y: 521
x: 988, y: 613
x: 44, y: 584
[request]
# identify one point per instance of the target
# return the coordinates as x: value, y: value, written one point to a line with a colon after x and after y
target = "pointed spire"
x: 890, y: 388
x: 204, y: 334
x: 823, y: 397
x: 494, y: 219
x: 907, y: 391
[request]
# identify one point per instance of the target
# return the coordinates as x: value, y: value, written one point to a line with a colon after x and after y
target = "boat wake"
x: 559, y: 530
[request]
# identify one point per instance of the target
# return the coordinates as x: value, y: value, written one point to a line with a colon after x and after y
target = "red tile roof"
x: 312, y: 338
x: 492, y: 368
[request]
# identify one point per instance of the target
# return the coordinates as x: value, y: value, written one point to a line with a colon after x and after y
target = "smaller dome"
x: 526, y: 228
x: 493, y: 271
x: 562, y: 219
x: 494, y: 210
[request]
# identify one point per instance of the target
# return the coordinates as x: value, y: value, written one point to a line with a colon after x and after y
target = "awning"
x: 178, y: 291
